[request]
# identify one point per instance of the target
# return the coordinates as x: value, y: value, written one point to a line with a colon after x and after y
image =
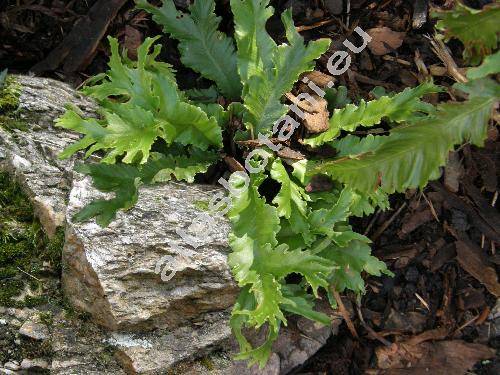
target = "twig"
x: 494, y: 200
x: 384, y: 226
x: 433, y: 211
x: 348, y: 11
x: 468, y: 323
x: 345, y: 313
x: 370, y: 329
x: 426, y: 305
x: 372, y: 221
x: 395, y: 59
x: 364, y: 79
x: 314, y: 26
x: 444, y: 55
x: 26, y: 273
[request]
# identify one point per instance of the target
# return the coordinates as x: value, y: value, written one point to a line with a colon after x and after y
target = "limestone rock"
x: 34, y: 330
x: 111, y: 272
x: 34, y: 364
x: 32, y: 155
x: 12, y: 366
x: 81, y: 348
x: 154, y: 352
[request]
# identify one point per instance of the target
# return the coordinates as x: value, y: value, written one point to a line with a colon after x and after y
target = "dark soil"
x: 440, y: 243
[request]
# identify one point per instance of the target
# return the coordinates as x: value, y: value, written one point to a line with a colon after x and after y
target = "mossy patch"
x: 201, y: 205
x: 13, y: 123
x: 26, y: 254
x: 9, y: 106
x: 9, y: 95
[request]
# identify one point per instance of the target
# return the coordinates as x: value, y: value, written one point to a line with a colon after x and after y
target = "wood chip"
x: 452, y: 172
x: 384, y: 40
x: 472, y: 260
x: 233, y: 164
x: 470, y: 298
x: 133, y: 39
x: 413, y: 220
x: 254, y: 143
x: 79, y: 46
x: 443, y: 357
x: 319, y: 78
x: 444, y: 255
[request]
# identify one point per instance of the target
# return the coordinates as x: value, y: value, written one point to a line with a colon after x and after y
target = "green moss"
x: 12, y: 123
x: 9, y: 104
x: 201, y: 205
x: 13, y: 203
x: 53, y: 250
x: 9, y: 95
x: 23, y: 249
x: 9, y: 289
x: 46, y: 318
x: 32, y: 301
x: 208, y: 363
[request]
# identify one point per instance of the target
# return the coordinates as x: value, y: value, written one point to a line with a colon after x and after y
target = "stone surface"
x: 114, y: 274
x: 32, y: 155
x: 110, y: 272
x: 153, y: 352
x: 34, y: 364
x: 81, y: 348
x: 11, y: 366
x: 34, y: 330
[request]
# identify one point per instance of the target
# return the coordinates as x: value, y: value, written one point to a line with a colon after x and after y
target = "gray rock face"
x: 110, y: 272
x: 117, y: 273
x: 32, y: 155
x: 34, y: 329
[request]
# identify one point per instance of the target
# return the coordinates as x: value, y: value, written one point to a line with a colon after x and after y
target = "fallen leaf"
x: 288, y: 153
x: 317, y: 121
x: 133, y: 39
x: 384, y: 40
x: 412, y: 321
x: 472, y: 260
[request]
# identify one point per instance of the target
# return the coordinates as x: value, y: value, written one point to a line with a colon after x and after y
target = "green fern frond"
x: 124, y: 180
x: 140, y: 102
x: 268, y: 71
x: 203, y: 48
x: 412, y: 154
x: 477, y: 29
x: 404, y: 106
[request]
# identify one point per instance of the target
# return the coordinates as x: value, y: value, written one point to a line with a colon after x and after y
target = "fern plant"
x: 478, y: 30
x: 150, y: 131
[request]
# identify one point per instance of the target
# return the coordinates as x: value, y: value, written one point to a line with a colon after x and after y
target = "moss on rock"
x: 9, y: 95
x: 9, y: 106
x: 25, y: 250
